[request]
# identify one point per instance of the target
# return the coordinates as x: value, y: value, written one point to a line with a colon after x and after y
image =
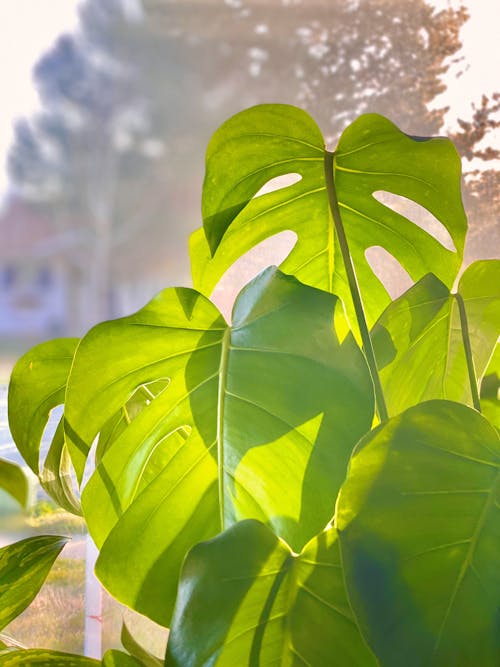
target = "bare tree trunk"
x: 101, y: 198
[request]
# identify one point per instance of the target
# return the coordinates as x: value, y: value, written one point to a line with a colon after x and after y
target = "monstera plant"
x: 313, y: 482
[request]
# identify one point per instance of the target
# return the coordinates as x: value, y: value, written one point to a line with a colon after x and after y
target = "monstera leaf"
x: 37, y: 385
x: 246, y: 599
x: 427, y: 322
x: 419, y: 528
x: 268, y: 141
x: 254, y: 420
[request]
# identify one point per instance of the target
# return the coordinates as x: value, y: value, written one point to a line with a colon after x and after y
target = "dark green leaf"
x: 419, y: 527
x: 24, y: 567
x: 246, y: 599
x: 267, y: 141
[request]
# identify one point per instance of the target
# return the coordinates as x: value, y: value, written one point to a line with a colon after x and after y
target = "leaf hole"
x: 272, y: 251
x: 278, y: 183
x: 90, y: 463
x: 417, y: 214
x: 388, y: 270
x: 143, y: 396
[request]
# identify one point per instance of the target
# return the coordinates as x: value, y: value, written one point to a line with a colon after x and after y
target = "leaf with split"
x: 246, y: 599
x: 262, y: 143
x: 242, y: 402
x: 427, y: 325
x: 13, y: 480
x: 24, y: 567
x: 419, y: 530
x: 37, y: 385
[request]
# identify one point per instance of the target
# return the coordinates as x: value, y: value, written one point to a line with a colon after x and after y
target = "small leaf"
x: 24, y: 567
x: 246, y: 599
x: 115, y: 658
x: 138, y: 651
x: 13, y: 480
x: 37, y: 384
x: 425, y: 324
x: 56, y: 476
x: 419, y: 529
x: 45, y: 658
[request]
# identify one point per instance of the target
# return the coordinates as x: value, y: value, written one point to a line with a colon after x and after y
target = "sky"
x: 31, y: 26
x: 481, y: 48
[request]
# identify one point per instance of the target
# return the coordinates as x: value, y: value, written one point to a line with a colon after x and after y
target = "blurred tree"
x: 132, y: 98
x: 482, y: 184
x: 89, y: 158
x: 337, y: 59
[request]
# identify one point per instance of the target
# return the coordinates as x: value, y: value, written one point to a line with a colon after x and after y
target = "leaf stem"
x: 468, y: 352
x: 354, y: 287
x: 220, y: 420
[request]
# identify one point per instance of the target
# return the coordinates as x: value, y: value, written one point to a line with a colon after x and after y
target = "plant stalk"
x: 468, y: 352
x: 220, y: 421
x: 354, y: 287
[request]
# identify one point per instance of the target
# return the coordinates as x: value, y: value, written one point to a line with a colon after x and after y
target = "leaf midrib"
x: 224, y: 359
x: 468, y: 560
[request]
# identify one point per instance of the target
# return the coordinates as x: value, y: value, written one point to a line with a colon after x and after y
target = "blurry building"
x: 35, y: 276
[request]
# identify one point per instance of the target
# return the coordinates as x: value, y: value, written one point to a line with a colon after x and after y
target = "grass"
x: 55, y: 619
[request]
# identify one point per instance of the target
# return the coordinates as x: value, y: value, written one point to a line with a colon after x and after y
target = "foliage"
x: 13, y: 481
x: 23, y: 569
x: 311, y: 483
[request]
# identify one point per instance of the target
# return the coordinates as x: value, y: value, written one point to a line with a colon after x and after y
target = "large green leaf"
x: 24, y: 567
x: 246, y: 599
x: 424, y: 326
x: 37, y: 385
x: 419, y: 529
x: 13, y: 480
x: 44, y: 658
x: 274, y: 392
x: 264, y: 142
